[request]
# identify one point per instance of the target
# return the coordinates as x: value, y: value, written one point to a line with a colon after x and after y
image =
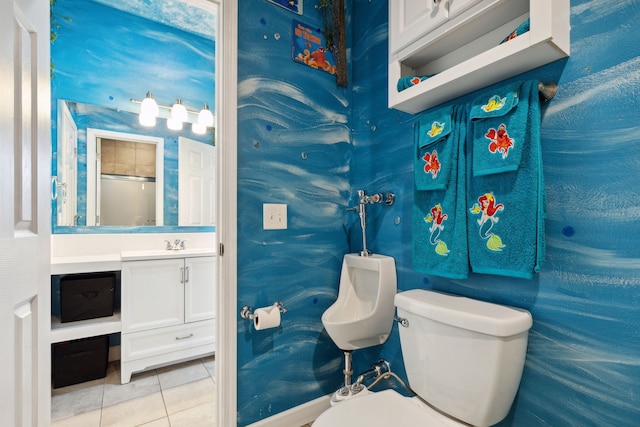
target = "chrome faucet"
x: 177, y: 244
x: 363, y: 201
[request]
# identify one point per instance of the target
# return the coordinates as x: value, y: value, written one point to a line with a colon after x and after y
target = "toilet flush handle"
x: 403, y: 322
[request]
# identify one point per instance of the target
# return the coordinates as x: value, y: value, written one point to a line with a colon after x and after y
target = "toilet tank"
x: 463, y: 356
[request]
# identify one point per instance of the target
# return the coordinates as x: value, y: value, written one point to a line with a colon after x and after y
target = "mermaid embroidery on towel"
x: 437, y: 218
x: 488, y: 209
x: 500, y: 140
x: 432, y: 164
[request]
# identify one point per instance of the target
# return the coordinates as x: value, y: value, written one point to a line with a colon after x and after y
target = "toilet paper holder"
x: 246, y: 312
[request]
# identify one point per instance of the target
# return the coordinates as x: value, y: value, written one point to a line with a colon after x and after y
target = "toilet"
x: 463, y: 356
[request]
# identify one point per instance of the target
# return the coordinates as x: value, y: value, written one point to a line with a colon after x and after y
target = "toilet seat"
x: 383, y: 409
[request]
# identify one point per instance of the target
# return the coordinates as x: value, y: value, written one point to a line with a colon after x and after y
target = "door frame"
x: 227, y: 232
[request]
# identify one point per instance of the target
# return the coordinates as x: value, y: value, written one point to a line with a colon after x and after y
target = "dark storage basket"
x: 80, y: 360
x: 87, y: 296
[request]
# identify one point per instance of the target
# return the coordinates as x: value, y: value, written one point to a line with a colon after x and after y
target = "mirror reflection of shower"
x: 363, y: 201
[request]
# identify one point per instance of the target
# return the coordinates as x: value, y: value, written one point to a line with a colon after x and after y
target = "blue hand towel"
x: 507, y: 209
x: 499, y: 127
x: 439, y: 216
x: 435, y: 146
x: 408, y: 81
x: 521, y: 29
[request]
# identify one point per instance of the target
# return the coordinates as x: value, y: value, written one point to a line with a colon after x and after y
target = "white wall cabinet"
x: 457, y: 42
x: 168, y: 312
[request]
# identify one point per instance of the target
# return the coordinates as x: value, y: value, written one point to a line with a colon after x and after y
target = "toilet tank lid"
x: 466, y: 313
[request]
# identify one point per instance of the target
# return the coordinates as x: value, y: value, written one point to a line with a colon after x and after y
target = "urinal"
x: 362, y: 316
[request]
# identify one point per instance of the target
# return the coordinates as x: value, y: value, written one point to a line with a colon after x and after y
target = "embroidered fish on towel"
x: 432, y: 164
x: 488, y: 209
x: 494, y: 103
x: 500, y: 140
x: 436, y: 129
x: 437, y: 218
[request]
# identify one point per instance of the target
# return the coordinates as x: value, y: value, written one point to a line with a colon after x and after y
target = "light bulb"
x: 174, y: 124
x: 198, y: 128
x: 205, y: 117
x: 149, y: 106
x: 147, y: 120
x: 179, y: 111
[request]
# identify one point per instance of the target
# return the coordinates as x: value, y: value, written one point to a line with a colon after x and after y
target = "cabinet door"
x: 459, y: 6
x: 200, y: 289
x: 152, y: 294
x: 411, y: 19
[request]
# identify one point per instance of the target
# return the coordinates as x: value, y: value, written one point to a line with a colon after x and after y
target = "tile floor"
x: 182, y: 395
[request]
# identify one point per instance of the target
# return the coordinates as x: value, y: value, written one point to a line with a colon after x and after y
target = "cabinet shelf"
x: 84, y: 328
x: 465, y: 54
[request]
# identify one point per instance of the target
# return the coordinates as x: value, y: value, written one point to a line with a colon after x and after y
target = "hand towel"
x: 499, y: 127
x: 408, y: 81
x: 439, y: 216
x: 507, y: 208
x: 521, y: 29
x: 435, y: 146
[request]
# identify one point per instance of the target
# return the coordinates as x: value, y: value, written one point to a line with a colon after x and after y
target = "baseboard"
x: 298, y: 415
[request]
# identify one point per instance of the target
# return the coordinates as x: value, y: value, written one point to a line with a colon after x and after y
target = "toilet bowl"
x: 362, y: 315
x: 463, y: 356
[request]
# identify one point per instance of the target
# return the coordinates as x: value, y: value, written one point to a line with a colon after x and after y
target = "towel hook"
x: 548, y: 90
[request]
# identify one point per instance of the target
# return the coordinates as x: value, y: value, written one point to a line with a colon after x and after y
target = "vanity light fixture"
x: 179, y: 114
x: 148, y: 106
x: 174, y: 124
x: 179, y: 111
x: 198, y: 128
x: 205, y: 117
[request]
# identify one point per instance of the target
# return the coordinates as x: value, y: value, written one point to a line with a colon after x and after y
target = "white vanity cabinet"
x: 458, y: 44
x: 168, y: 311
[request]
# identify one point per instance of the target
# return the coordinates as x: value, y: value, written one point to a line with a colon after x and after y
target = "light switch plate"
x: 274, y: 216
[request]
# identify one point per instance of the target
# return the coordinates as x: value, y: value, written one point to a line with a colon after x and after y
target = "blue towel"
x: 435, y: 146
x: 499, y: 127
x: 507, y: 209
x: 408, y: 81
x: 439, y: 219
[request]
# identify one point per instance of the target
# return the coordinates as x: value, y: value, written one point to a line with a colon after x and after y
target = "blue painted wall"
x: 294, y: 148
x: 105, y: 57
x: 304, y: 142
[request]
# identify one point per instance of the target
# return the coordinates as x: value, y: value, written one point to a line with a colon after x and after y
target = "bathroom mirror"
x: 106, y: 55
x: 112, y: 171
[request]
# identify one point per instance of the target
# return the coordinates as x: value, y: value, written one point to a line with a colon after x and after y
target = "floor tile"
x: 134, y: 412
x: 87, y: 419
x: 142, y: 384
x: 210, y: 364
x: 162, y: 422
x: 190, y: 395
x: 176, y: 375
x: 76, y: 399
x: 199, y: 416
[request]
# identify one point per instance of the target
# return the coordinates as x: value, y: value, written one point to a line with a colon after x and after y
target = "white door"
x: 67, y: 167
x: 25, y: 215
x: 196, y: 183
x: 200, y: 289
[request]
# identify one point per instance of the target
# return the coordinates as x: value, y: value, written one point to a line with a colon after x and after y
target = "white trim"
x: 227, y: 232
x: 298, y: 415
x: 92, y: 173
